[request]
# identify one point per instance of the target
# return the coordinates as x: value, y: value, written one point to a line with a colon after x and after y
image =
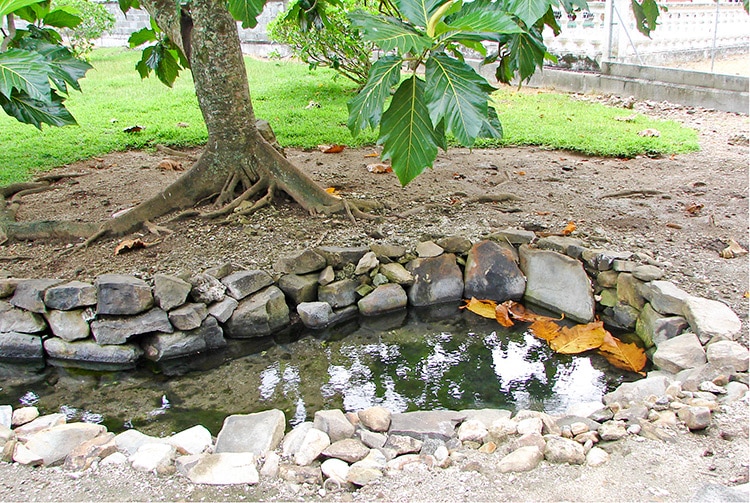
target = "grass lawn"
x: 114, y: 98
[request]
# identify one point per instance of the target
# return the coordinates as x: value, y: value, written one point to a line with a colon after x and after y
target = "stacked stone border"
x: 118, y: 320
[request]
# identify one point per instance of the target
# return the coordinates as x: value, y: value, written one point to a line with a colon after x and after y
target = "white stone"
x: 6, y: 415
x: 23, y: 415
x: 679, y: 353
x: 597, y: 457
x: 472, y: 430
x: 503, y: 427
x: 153, y: 457
x: 728, y: 353
x: 54, y: 444
x: 375, y: 418
x: 314, y: 443
x: 116, y: 458
x: 335, y: 469
x: 711, y: 319
x: 523, y: 459
x: 129, y: 441
x: 367, y: 263
x: 39, y: 424
x: 258, y: 433
x: 194, y: 440
x: 226, y: 468
x: 271, y: 464
x: 427, y: 249
x: 25, y: 456
x: 530, y: 425
x: 293, y: 440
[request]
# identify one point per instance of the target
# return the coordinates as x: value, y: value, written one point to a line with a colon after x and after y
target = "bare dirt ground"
x: 659, y: 216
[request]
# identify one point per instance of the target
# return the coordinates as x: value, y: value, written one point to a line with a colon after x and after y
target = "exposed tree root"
x: 636, y: 192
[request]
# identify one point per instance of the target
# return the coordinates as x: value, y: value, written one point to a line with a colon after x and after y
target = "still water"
x: 405, y: 361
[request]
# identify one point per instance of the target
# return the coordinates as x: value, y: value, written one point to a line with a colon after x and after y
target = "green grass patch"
x: 558, y: 121
x: 114, y: 97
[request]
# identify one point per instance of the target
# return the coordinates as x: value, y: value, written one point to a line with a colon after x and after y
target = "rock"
x: 523, y: 459
x: 257, y: 433
x: 188, y: 316
x: 170, y: 291
x: 691, y: 378
x: 664, y: 297
x: 227, y: 468
x: 293, y: 440
x: 728, y: 354
x: 530, y: 440
x: 70, y: 325
x: 54, y: 444
x: 339, y: 293
x: 118, y: 329
x: 326, y: 276
x: 129, y: 441
x: 629, y: 291
x: 612, y: 430
x: 440, y: 424
x: 502, y: 428
x: 717, y: 493
x: 388, y: 252
x: 584, y: 409
x: 240, y: 284
x: 17, y: 320
x: 338, y: 256
x: 681, y: 352
x: 626, y: 316
x: 301, y: 262
x: 335, y: 469
x: 695, y: 418
x: 563, y: 450
x: 223, y: 310
x: 195, y: 440
x: 350, y: 450
x: 116, y: 458
x: 24, y: 456
x: 207, y: 289
x: 428, y: 249
x: 334, y: 423
x: 486, y: 416
x: 121, y: 356
x: 653, y: 327
x: 153, y: 458
x: 312, y: 446
x: 300, y: 288
x: 383, y: 299
x: 271, y: 464
x: 375, y: 418
x: 472, y: 430
x: 71, y: 295
x: 529, y: 425
x: 638, y: 391
x: 21, y: 416
x: 18, y: 346
x: 367, y: 263
x: 397, y: 273
x: 258, y: 315
x: 492, y: 273
x: 513, y: 236
x: 647, y: 272
x: 559, y: 244
x: 436, y: 280
x: 7, y: 287
x: 401, y: 444
x: 29, y: 294
x: 711, y: 319
x: 735, y: 391
x: 309, y: 475
x: 632, y: 414
x: 454, y: 244
x: 369, y: 469
x: 557, y: 282
x: 597, y: 457
x: 371, y: 439
x: 607, y: 279
x: 315, y: 314
x: 120, y: 294
x: 39, y: 424
x: 83, y: 455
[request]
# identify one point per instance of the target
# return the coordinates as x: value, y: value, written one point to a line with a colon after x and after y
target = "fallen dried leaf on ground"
x: 484, y: 308
x: 133, y: 129
x: 733, y: 250
x: 379, y: 168
x: 331, y: 149
x: 694, y: 209
x: 333, y: 191
x: 372, y: 154
x: 127, y: 245
x: 170, y: 165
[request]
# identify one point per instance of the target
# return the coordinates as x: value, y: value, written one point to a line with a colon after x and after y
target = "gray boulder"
x: 440, y: 424
x: 71, y: 295
x: 653, y: 328
x: 18, y: 346
x: 170, y: 291
x: 255, y: 433
x: 629, y: 291
x: 13, y: 319
x: 54, y: 445
x: 558, y: 283
x: 108, y: 330
x: 333, y: 423
x: 313, y: 444
x: 523, y: 459
x: 188, y: 316
x: 717, y: 493
x: 223, y: 310
x: 682, y: 352
x: 301, y: 262
x: 338, y: 256
x: 491, y: 273
x: 396, y: 273
x: 339, y: 293
x: 564, y: 450
x: 711, y: 319
x: 664, y: 297
x: 29, y: 294
x: 121, y: 294
x: 637, y: 391
x: 120, y: 356
x: 227, y: 468
x: 206, y: 289
x: 240, y: 284
x: 350, y: 450
x: 300, y: 288
x: 728, y: 354
x: 436, y: 280
x: 315, y: 314
x: 159, y: 347
x: 70, y: 325
x: 384, y: 298
x: 258, y: 315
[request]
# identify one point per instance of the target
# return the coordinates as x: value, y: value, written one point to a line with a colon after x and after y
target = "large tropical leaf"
x: 366, y: 108
x: 456, y: 93
x: 529, y: 11
x: 485, y: 21
x: 162, y: 61
x: 389, y: 33
x: 645, y: 14
x: 64, y: 68
x: 246, y: 11
x: 24, y: 71
x: 579, y: 338
x: 63, y: 17
x: 142, y: 36
x: 624, y: 356
x: 418, y: 11
x: 406, y: 131
x: 36, y: 112
x: 9, y: 6
x: 491, y: 127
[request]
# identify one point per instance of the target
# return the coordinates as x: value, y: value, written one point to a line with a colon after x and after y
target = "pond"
x: 416, y: 360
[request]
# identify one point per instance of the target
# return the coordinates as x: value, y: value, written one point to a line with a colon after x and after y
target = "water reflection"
x: 402, y: 363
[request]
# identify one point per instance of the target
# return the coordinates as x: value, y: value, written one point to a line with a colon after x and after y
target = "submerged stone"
x: 122, y: 355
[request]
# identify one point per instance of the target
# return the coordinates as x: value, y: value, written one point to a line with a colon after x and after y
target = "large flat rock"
x: 254, y: 433
x: 439, y: 424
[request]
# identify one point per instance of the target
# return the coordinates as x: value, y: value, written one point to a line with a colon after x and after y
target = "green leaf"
x: 246, y: 11
x: 64, y: 68
x: 162, y: 61
x: 646, y: 14
x: 366, y: 108
x: 30, y: 111
x: 482, y: 21
x: 34, y: 12
x: 458, y: 95
x: 491, y: 127
x: 126, y: 5
x: 418, y: 11
x: 9, y: 6
x: 63, y: 17
x: 406, y: 132
x: 142, y: 36
x: 26, y: 72
x: 529, y: 11
x: 389, y: 33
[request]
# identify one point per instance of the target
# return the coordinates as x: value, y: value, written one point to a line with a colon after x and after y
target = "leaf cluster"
x: 36, y: 69
x: 160, y: 56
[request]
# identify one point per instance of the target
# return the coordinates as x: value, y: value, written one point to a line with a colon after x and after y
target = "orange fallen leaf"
x: 545, y: 329
x: 579, y: 338
x: 373, y: 154
x: 623, y: 356
x: 333, y: 191
x: 520, y: 313
x: 694, y: 209
x: 673, y: 225
x: 503, y: 316
x: 170, y: 165
x: 127, y: 245
x: 484, y: 308
x: 569, y: 229
x: 379, y: 168
x: 331, y: 149
x: 521, y: 173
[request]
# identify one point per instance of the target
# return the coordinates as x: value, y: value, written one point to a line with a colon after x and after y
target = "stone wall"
x: 118, y: 320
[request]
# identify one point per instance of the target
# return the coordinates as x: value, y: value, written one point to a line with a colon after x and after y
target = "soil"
x: 680, y: 210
